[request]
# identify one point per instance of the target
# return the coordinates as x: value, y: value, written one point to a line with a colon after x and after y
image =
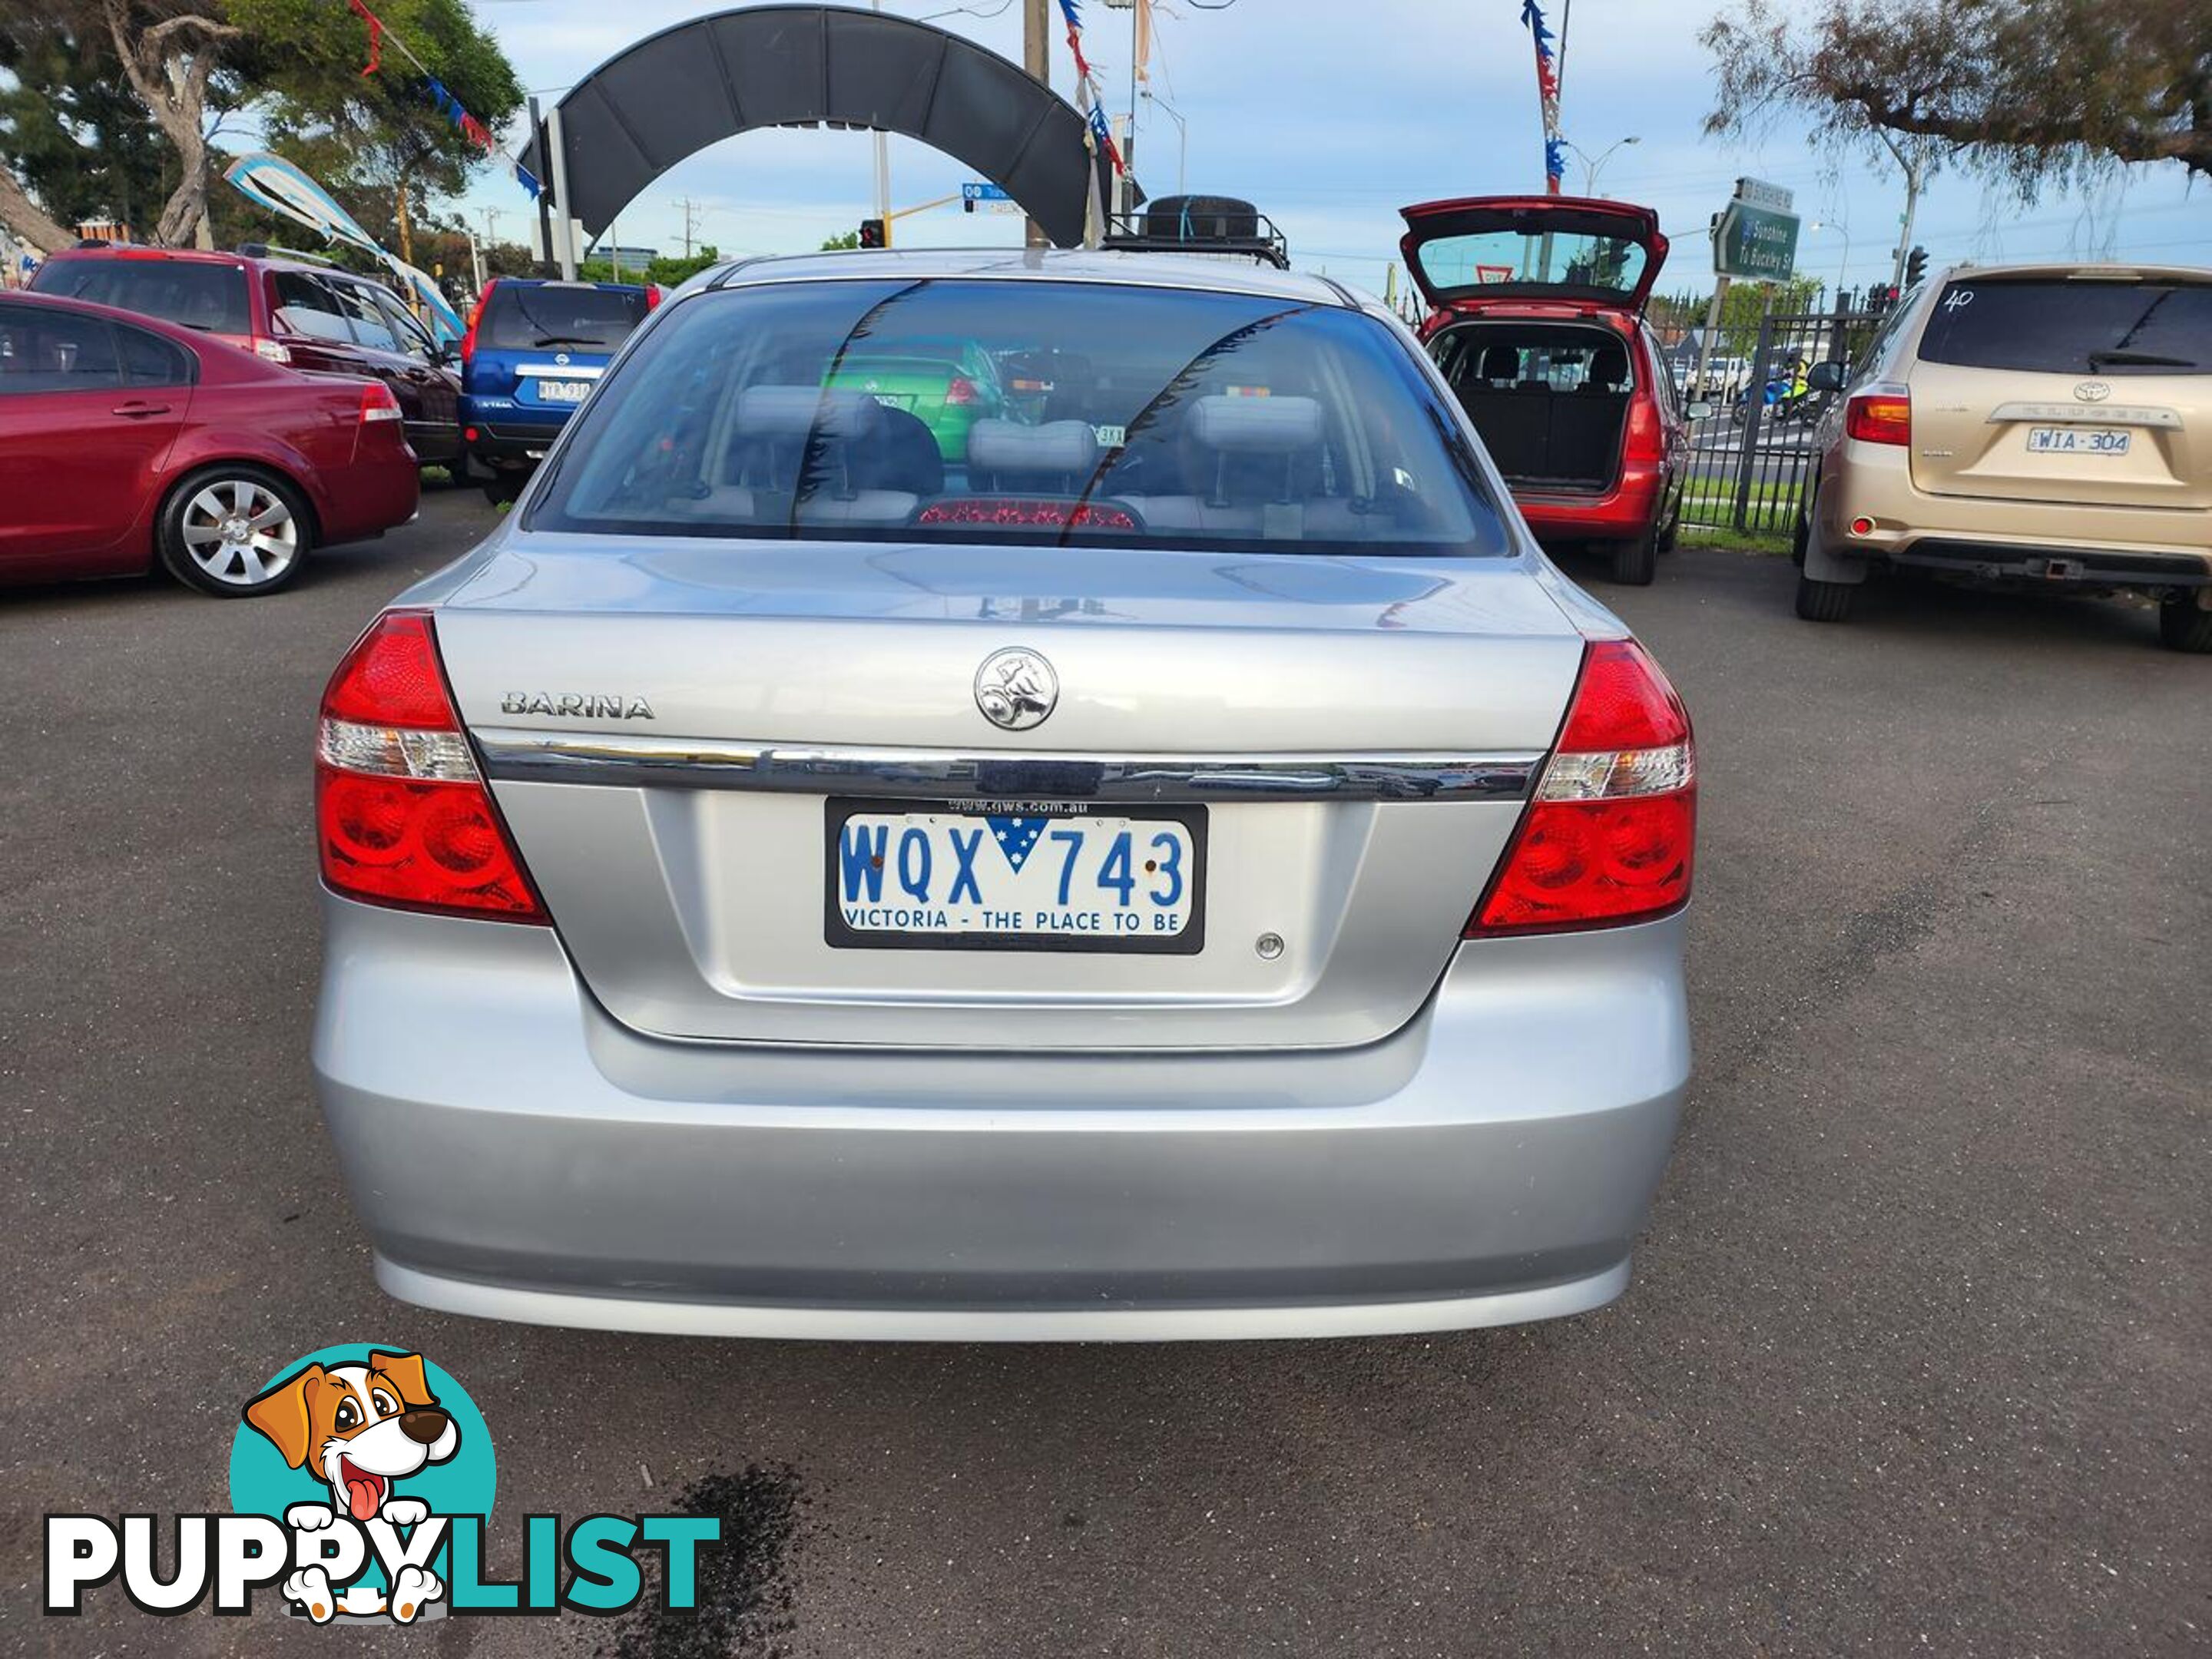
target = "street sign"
x: 1756, y: 243
x: 975, y: 193
x: 1756, y: 192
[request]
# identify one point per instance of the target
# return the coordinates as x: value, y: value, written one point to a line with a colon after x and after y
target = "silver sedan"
x: 1137, y: 843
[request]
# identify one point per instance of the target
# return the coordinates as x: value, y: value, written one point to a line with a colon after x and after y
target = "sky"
x: 1331, y: 114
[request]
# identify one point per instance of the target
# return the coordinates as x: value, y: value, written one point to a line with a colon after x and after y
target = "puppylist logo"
x: 361, y: 1481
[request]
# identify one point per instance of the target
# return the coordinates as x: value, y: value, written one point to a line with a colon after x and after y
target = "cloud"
x: 1330, y: 116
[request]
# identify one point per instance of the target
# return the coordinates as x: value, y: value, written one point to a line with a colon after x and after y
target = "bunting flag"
x: 1088, y: 99
x: 1547, y: 94
x: 375, y: 36
x: 478, y: 134
x: 448, y: 105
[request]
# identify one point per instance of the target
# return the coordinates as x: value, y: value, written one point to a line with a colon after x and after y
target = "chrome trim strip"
x: 2087, y: 415
x: 625, y: 760
x: 560, y: 371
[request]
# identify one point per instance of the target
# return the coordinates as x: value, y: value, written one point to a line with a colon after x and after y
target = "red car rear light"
x: 989, y: 512
x: 1645, y: 441
x: 378, y: 404
x: 1611, y: 835
x: 402, y: 812
x: 1880, y: 417
x: 475, y: 316
x: 960, y: 389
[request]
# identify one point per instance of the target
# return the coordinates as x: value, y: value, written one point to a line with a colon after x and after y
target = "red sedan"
x: 122, y: 440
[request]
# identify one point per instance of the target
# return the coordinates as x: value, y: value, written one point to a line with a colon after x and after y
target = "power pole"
x: 882, y: 149
x: 1918, y: 160
x: 690, y: 210
x: 1036, y: 45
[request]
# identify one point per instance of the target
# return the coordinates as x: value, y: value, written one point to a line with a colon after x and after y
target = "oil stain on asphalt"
x: 744, y: 1587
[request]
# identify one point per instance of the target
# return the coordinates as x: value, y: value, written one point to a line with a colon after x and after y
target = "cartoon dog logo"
x: 360, y: 1428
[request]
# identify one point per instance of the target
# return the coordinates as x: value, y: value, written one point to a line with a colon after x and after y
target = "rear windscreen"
x: 535, y: 319
x: 1518, y: 260
x: 1080, y: 412
x: 199, y: 295
x: 2055, y: 326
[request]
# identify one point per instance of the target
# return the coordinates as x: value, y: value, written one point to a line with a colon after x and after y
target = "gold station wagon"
x: 2045, y: 425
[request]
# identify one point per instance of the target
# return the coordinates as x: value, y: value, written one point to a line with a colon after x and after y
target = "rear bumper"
x: 2075, y: 543
x: 516, y: 1154
x: 2093, y: 566
x: 367, y: 498
x: 1626, y: 511
x: 509, y: 435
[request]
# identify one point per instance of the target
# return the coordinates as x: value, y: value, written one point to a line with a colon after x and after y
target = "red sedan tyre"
x: 235, y: 531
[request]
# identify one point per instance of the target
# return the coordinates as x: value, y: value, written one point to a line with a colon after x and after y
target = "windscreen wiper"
x: 566, y: 339
x: 2140, y: 360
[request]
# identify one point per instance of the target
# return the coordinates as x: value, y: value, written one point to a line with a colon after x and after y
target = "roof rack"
x: 1219, y: 224
x: 266, y: 250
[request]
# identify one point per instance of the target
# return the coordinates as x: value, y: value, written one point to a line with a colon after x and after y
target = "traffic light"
x: 871, y: 233
x: 1916, y: 266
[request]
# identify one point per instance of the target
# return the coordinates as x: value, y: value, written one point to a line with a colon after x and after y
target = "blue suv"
x: 533, y: 351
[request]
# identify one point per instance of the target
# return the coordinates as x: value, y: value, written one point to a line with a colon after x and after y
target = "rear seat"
x: 1006, y: 457
x: 1512, y: 416
x: 1585, y: 424
x: 1253, y: 461
x: 871, y: 464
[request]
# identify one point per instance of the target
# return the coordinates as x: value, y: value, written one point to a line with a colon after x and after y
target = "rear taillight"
x: 378, y: 404
x: 653, y: 296
x: 1610, y: 835
x: 402, y: 813
x: 475, y: 316
x: 1645, y: 441
x: 960, y: 389
x: 1880, y: 417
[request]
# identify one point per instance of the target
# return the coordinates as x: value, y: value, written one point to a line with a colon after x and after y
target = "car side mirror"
x: 1825, y: 377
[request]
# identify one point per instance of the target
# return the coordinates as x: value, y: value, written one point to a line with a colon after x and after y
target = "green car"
x: 948, y: 385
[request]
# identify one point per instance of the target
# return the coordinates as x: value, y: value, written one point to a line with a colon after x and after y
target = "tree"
x: 170, y: 53
x: 72, y: 134
x: 379, y: 135
x: 669, y: 270
x: 843, y: 242
x: 2036, y: 92
x: 189, y: 63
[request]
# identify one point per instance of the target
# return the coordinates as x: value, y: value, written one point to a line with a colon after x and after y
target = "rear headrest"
x: 1608, y: 364
x: 1069, y: 447
x: 1501, y: 363
x: 1255, y: 426
x: 792, y: 411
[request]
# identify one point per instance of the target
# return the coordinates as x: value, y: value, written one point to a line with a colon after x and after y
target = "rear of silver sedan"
x: 1095, y: 907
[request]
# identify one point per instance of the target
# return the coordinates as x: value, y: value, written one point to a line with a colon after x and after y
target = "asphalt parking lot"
x: 1917, y: 1358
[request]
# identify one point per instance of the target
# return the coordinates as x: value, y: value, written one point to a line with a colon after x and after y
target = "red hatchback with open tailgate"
x: 1537, y: 321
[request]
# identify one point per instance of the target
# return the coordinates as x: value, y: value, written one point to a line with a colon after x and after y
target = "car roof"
x: 2092, y: 268
x: 1169, y: 271
x: 273, y: 261
x: 556, y: 282
x: 142, y: 251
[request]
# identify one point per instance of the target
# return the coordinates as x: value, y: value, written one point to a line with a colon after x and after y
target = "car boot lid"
x: 1542, y: 247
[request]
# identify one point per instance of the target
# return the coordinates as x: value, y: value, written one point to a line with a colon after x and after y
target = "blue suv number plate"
x: 1015, y: 876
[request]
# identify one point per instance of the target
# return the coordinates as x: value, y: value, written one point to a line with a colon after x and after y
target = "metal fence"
x: 1749, y: 457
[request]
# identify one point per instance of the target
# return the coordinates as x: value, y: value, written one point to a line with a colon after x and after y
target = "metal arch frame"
x: 697, y: 82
